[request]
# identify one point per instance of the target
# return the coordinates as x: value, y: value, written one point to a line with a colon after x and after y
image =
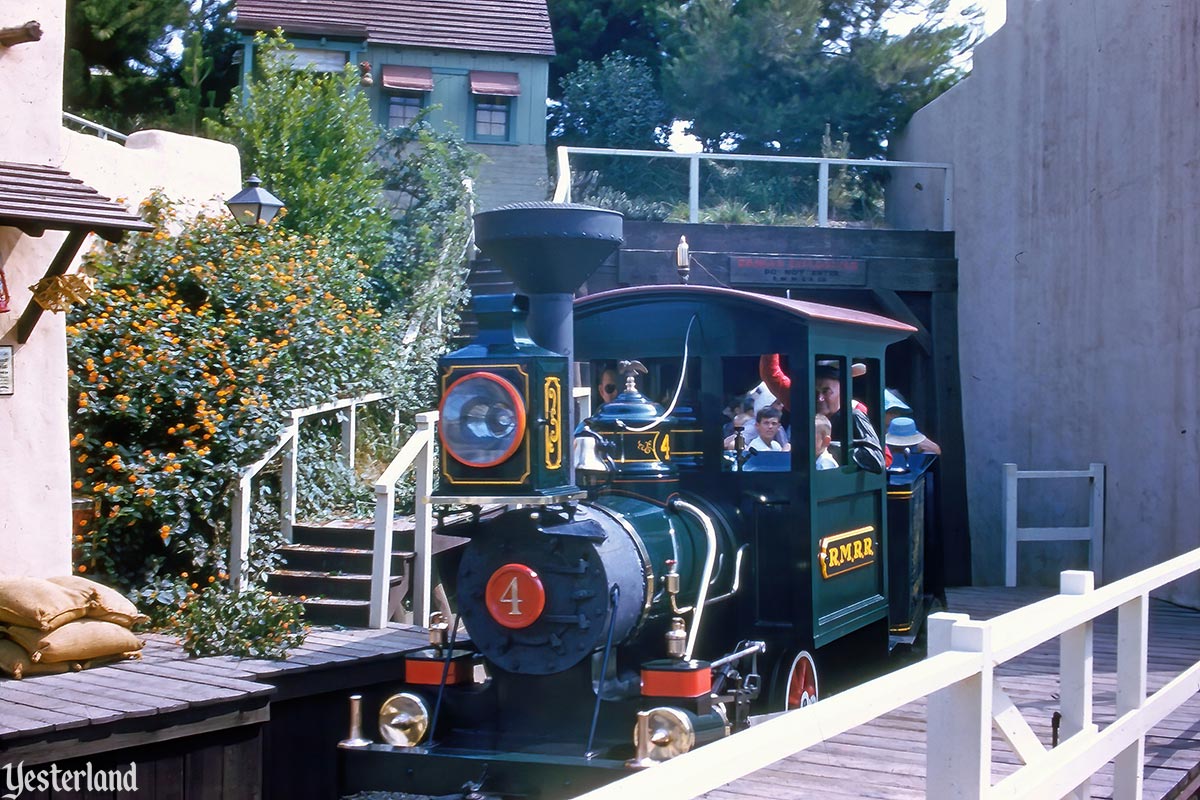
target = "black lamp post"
x: 254, y: 205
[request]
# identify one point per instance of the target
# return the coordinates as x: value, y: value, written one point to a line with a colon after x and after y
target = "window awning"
x: 502, y: 83
x: 409, y: 79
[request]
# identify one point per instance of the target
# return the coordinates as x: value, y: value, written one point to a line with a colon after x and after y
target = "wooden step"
x: 346, y: 613
x: 363, y: 538
x: 314, y: 583
x: 344, y: 560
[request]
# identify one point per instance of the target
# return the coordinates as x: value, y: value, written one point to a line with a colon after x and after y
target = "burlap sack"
x: 76, y: 641
x: 106, y: 604
x: 16, y: 663
x: 38, y: 603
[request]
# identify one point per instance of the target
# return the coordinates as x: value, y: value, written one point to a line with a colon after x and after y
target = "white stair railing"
x: 562, y: 191
x: 965, y: 703
x: 289, y: 444
x: 418, y: 453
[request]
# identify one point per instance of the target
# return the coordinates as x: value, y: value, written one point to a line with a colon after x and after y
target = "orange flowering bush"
x: 182, y: 364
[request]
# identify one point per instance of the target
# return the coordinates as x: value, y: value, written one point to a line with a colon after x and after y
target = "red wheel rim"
x: 802, y: 681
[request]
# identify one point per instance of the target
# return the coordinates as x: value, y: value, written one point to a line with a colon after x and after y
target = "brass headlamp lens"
x: 403, y: 719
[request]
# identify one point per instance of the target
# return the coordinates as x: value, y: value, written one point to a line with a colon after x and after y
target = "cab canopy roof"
x: 651, y: 321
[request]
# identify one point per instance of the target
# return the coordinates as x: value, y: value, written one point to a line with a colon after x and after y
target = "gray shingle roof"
x: 502, y: 26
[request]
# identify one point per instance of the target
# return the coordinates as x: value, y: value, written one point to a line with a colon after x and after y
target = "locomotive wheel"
x: 801, y: 688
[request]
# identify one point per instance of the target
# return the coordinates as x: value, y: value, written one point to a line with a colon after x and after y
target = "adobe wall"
x: 1075, y: 144
x: 35, y: 477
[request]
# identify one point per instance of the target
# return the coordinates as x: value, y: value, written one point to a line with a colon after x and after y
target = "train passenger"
x: 902, y: 434
x: 769, y: 423
x: 608, y: 386
x: 894, y: 405
x: 866, y: 450
x: 824, y: 431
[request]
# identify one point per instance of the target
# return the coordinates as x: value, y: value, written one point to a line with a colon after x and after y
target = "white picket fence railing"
x: 289, y: 444
x: 965, y: 703
x: 1093, y: 532
x: 562, y: 191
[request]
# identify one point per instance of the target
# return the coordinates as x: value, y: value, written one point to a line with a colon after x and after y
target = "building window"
x: 491, y: 117
x: 492, y: 96
x: 403, y: 109
x: 316, y: 59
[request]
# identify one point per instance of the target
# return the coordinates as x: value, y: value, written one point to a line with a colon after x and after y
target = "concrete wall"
x: 511, y: 174
x: 35, y: 476
x: 1075, y: 144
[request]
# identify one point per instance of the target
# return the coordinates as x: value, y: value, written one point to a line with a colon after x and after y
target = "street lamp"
x: 254, y: 205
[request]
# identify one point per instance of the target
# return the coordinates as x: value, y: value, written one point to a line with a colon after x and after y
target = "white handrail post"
x: 239, y: 535
x: 287, y: 494
x: 958, y: 752
x: 1075, y: 668
x: 1010, y: 524
x: 423, y: 530
x: 1133, y: 626
x: 948, y: 198
x: 562, y: 191
x: 381, y: 560
x: 823, y: 195
x: 349, y: 434
x: 1096, y: 522
x: 694, y: 188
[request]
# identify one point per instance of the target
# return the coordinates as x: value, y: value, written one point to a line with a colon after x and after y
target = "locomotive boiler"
x: 629, y: 590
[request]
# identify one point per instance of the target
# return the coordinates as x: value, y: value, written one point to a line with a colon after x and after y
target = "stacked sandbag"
x: 61, y: 624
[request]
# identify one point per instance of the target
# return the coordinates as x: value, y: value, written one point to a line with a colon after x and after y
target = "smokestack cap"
x: 548, y: 248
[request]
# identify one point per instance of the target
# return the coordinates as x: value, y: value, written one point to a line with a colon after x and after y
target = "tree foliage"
x: 123, y: 65
x: 585, y: 31
x: 309, y: 136
x: 768, y: 75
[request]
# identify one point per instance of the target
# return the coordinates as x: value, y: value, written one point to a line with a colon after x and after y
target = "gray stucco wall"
x: 1076, y: 147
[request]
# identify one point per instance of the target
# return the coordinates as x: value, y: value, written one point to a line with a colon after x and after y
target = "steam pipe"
x: 710, y: 557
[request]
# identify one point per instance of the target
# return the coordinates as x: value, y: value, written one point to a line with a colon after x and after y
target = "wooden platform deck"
x: 886, y: 758
x: 182, y: 715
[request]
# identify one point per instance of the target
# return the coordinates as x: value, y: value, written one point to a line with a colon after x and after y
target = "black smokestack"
x: 548, y: 250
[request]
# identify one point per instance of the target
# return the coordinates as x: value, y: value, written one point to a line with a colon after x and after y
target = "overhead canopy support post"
x: 62, y: 260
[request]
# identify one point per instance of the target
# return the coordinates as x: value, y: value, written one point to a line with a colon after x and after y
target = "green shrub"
x: 253, y: 623
x: 182, y: 365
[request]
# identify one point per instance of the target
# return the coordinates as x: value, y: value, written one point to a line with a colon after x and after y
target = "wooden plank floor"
x: 165, y: 683
x: 886, y: 758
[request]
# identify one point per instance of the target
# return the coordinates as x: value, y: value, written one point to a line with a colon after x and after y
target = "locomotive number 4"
x: 515, y: 596
x: 511, y: 597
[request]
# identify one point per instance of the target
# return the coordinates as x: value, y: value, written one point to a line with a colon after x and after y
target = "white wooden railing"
x: 94, y: 127
x: 965, y: 703
x: 562, y: 192
x: 1093, y: 532
x: 417, y: 453
x: 289, y: 444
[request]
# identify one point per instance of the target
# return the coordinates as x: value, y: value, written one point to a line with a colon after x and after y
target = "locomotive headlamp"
x: 403, y: 719
x: 482, y: 420
x: 663, y: 733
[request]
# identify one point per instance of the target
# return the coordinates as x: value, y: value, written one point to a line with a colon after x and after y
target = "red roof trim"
x: 412, y: 79
x: 501, y: 83
x: 800, y: 308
